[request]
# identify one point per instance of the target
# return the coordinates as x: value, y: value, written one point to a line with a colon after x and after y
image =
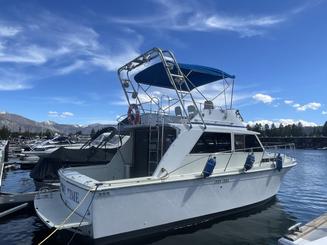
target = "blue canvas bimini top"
x: 156, y: 75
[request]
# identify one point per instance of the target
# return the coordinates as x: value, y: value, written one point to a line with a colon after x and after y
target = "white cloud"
x: 53, y: 114
x: 296, y: 105
x: 73, y: 67
x: 285, y: 122
x: 246, y: 26
x: 50, y: 45
x: 113, y: 62
x: 67, y: 100
x: 311, y: 106
x: 58, y: 114
x: 324, y: 112
x: 288, y: 102
x: 11, y: 80
x: 13, y: 86
x: 264, y: 98
x: 66, y: 114
x: 8, y: 31
x: 33, y: 54
x: 193, y: 16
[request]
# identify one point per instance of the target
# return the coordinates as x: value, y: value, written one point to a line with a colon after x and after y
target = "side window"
x: 252, y: 142
x: 247, y: 142
x: 212, y: 143
x: 239, y: 140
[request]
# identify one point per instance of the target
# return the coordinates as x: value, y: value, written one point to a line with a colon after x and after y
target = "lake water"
x: 302, y: 197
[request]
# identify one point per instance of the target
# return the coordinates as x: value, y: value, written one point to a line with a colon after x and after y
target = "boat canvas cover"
x: 156, y: 75
x: 47, y: 167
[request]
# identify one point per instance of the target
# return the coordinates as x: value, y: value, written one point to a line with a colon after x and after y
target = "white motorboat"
x: 27, y: 159
x: 49, y: 146
x: 175, y: 169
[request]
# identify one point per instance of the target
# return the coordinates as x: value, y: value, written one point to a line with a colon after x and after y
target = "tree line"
x: 294, y: 130
x: 5, y: 134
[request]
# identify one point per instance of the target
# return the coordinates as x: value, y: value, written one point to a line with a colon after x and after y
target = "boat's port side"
x: 131, y: 163
x: 157, y: 204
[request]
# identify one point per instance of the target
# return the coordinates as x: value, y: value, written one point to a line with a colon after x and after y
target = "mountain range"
x: 17, y: 123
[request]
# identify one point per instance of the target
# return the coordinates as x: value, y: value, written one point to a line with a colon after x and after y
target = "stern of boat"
x: 70, y: 207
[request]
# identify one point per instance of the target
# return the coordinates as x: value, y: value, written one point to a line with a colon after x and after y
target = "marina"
x: 197, y: 165
x: 158, y: 122
x: 300, y: 200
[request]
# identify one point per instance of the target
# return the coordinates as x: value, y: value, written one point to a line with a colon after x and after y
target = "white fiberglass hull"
x: 141, y: 208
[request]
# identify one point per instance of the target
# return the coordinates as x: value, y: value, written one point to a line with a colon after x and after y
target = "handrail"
x: 290, y: 145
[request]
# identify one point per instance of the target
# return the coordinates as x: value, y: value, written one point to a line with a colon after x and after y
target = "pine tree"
x: 324, y: 129
x: 273, y: 130
x: 281, y: 131
x: 267, y: 130
x: 300, y: 129
x: 92, y: 133
x: 4, y: 132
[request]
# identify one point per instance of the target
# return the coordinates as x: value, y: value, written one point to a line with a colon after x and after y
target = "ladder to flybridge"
x: 154, y: 148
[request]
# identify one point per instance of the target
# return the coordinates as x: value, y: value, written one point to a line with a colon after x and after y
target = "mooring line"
x: 65, y: 220
x: 80, y: 223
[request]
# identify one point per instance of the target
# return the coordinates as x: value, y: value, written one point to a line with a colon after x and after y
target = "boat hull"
x: 157, y: 232
x: 126, y: 210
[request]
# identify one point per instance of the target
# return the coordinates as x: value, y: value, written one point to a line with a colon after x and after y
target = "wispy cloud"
x: 72, y: 67
x: 324, y: 112
x: 8, y: 31
x: 53, y: 114
x: 245, y: 26
x: 67, y: 100
x: 192, y: 16
x: 112, y: 62
x: 58, y: 114
x: 45, y: 45
x: 11, y: 80
x: 13, y: 86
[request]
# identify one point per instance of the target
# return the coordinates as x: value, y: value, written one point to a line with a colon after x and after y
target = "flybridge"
x: 159, y: 68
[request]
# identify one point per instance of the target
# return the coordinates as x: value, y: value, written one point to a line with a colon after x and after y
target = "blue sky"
x: 58, y: 59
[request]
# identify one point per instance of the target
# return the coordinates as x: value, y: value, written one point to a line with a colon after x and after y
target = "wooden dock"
x: 314, y: 232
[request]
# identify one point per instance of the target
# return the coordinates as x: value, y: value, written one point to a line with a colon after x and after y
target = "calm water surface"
x: 302, y: 197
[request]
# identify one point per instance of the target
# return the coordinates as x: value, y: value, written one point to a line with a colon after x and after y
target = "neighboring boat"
x: 175, y: 169
x: 49, y: 146
x: 98, y: 150
x: 27, y: 159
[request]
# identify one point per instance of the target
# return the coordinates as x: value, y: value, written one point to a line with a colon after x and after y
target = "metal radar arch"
x: 159, y: 68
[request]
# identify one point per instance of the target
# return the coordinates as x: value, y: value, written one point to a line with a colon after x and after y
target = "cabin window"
x: 247, y: 142
x: 212, y: 142
x: 239, y: 140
